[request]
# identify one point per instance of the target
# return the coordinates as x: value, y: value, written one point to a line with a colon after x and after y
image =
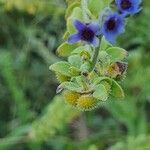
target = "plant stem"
x: 85, y: 86
x: 95, y: 58
x: 84, y: 7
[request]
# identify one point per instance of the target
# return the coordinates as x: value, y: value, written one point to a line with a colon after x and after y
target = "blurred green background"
x: 32, y: 117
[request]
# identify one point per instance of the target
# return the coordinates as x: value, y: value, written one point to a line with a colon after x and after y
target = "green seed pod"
x: 87, y: 102
x: 71, y: 97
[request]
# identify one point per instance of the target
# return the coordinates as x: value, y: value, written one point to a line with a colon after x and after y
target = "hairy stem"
x: 84, y: 6
x: 95, y: 58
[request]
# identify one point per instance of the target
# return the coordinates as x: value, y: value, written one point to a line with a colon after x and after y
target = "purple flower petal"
x: 95, y: 42
x: 79, y: 25
x: 110, y: 38
x: 74, y: 38
x: 95, y: 28
x: 121, y: 29
x: 86, y: 32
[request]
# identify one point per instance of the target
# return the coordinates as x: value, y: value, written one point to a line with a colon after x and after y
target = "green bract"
x: 116, y: 53
x: 88, y: 72
x: 76, y: 14
x: 65, y: 49
x: 96, y: 6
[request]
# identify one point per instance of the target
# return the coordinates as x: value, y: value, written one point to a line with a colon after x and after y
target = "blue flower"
x: 85, y: 32
x: 112, y: 25
x: 128, y: 7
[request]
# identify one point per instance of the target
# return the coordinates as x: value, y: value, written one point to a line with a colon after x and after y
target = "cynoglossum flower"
x: 113, y: 25
x: 85, y: 32
x: 127, y: 7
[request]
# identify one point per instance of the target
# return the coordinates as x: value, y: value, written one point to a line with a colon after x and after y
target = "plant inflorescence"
x: 94, y: 66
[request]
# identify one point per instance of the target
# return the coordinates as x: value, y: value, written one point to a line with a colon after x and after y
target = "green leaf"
x: 85, y: 67
x: 104, y: 44
x: 74, y: 71
x: 71, y: 7
x: 76, y: 14
x: 61, y: 67
x: 117, y: 53
x: 116, y: 90
x: 98, y: 80
x: 79, y: 49
x: 70, y: 2
x: 72, y: 86
x: 79, y: 80
x: 75, y: 61
x: 96, y: 6
x: 104, y: 57
x: 100, y: 92
x: 65, y: 49
x: 83, y: 49
x: 66, y: 35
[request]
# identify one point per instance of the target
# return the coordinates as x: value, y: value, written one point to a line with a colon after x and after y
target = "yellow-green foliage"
x: 17, y: 95
x: 56, y: 116
x: 142, y: 142
x: 61, y: 78
x: 31, y: 6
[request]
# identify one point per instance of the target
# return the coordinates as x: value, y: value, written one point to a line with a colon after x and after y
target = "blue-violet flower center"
x: 87, y: 34
x: 126, y: 4
x: 111, y: 24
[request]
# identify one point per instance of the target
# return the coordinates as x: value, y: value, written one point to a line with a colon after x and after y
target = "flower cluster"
x: 128, y: 7
x: 94, y: 66
x: 113, y: 24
